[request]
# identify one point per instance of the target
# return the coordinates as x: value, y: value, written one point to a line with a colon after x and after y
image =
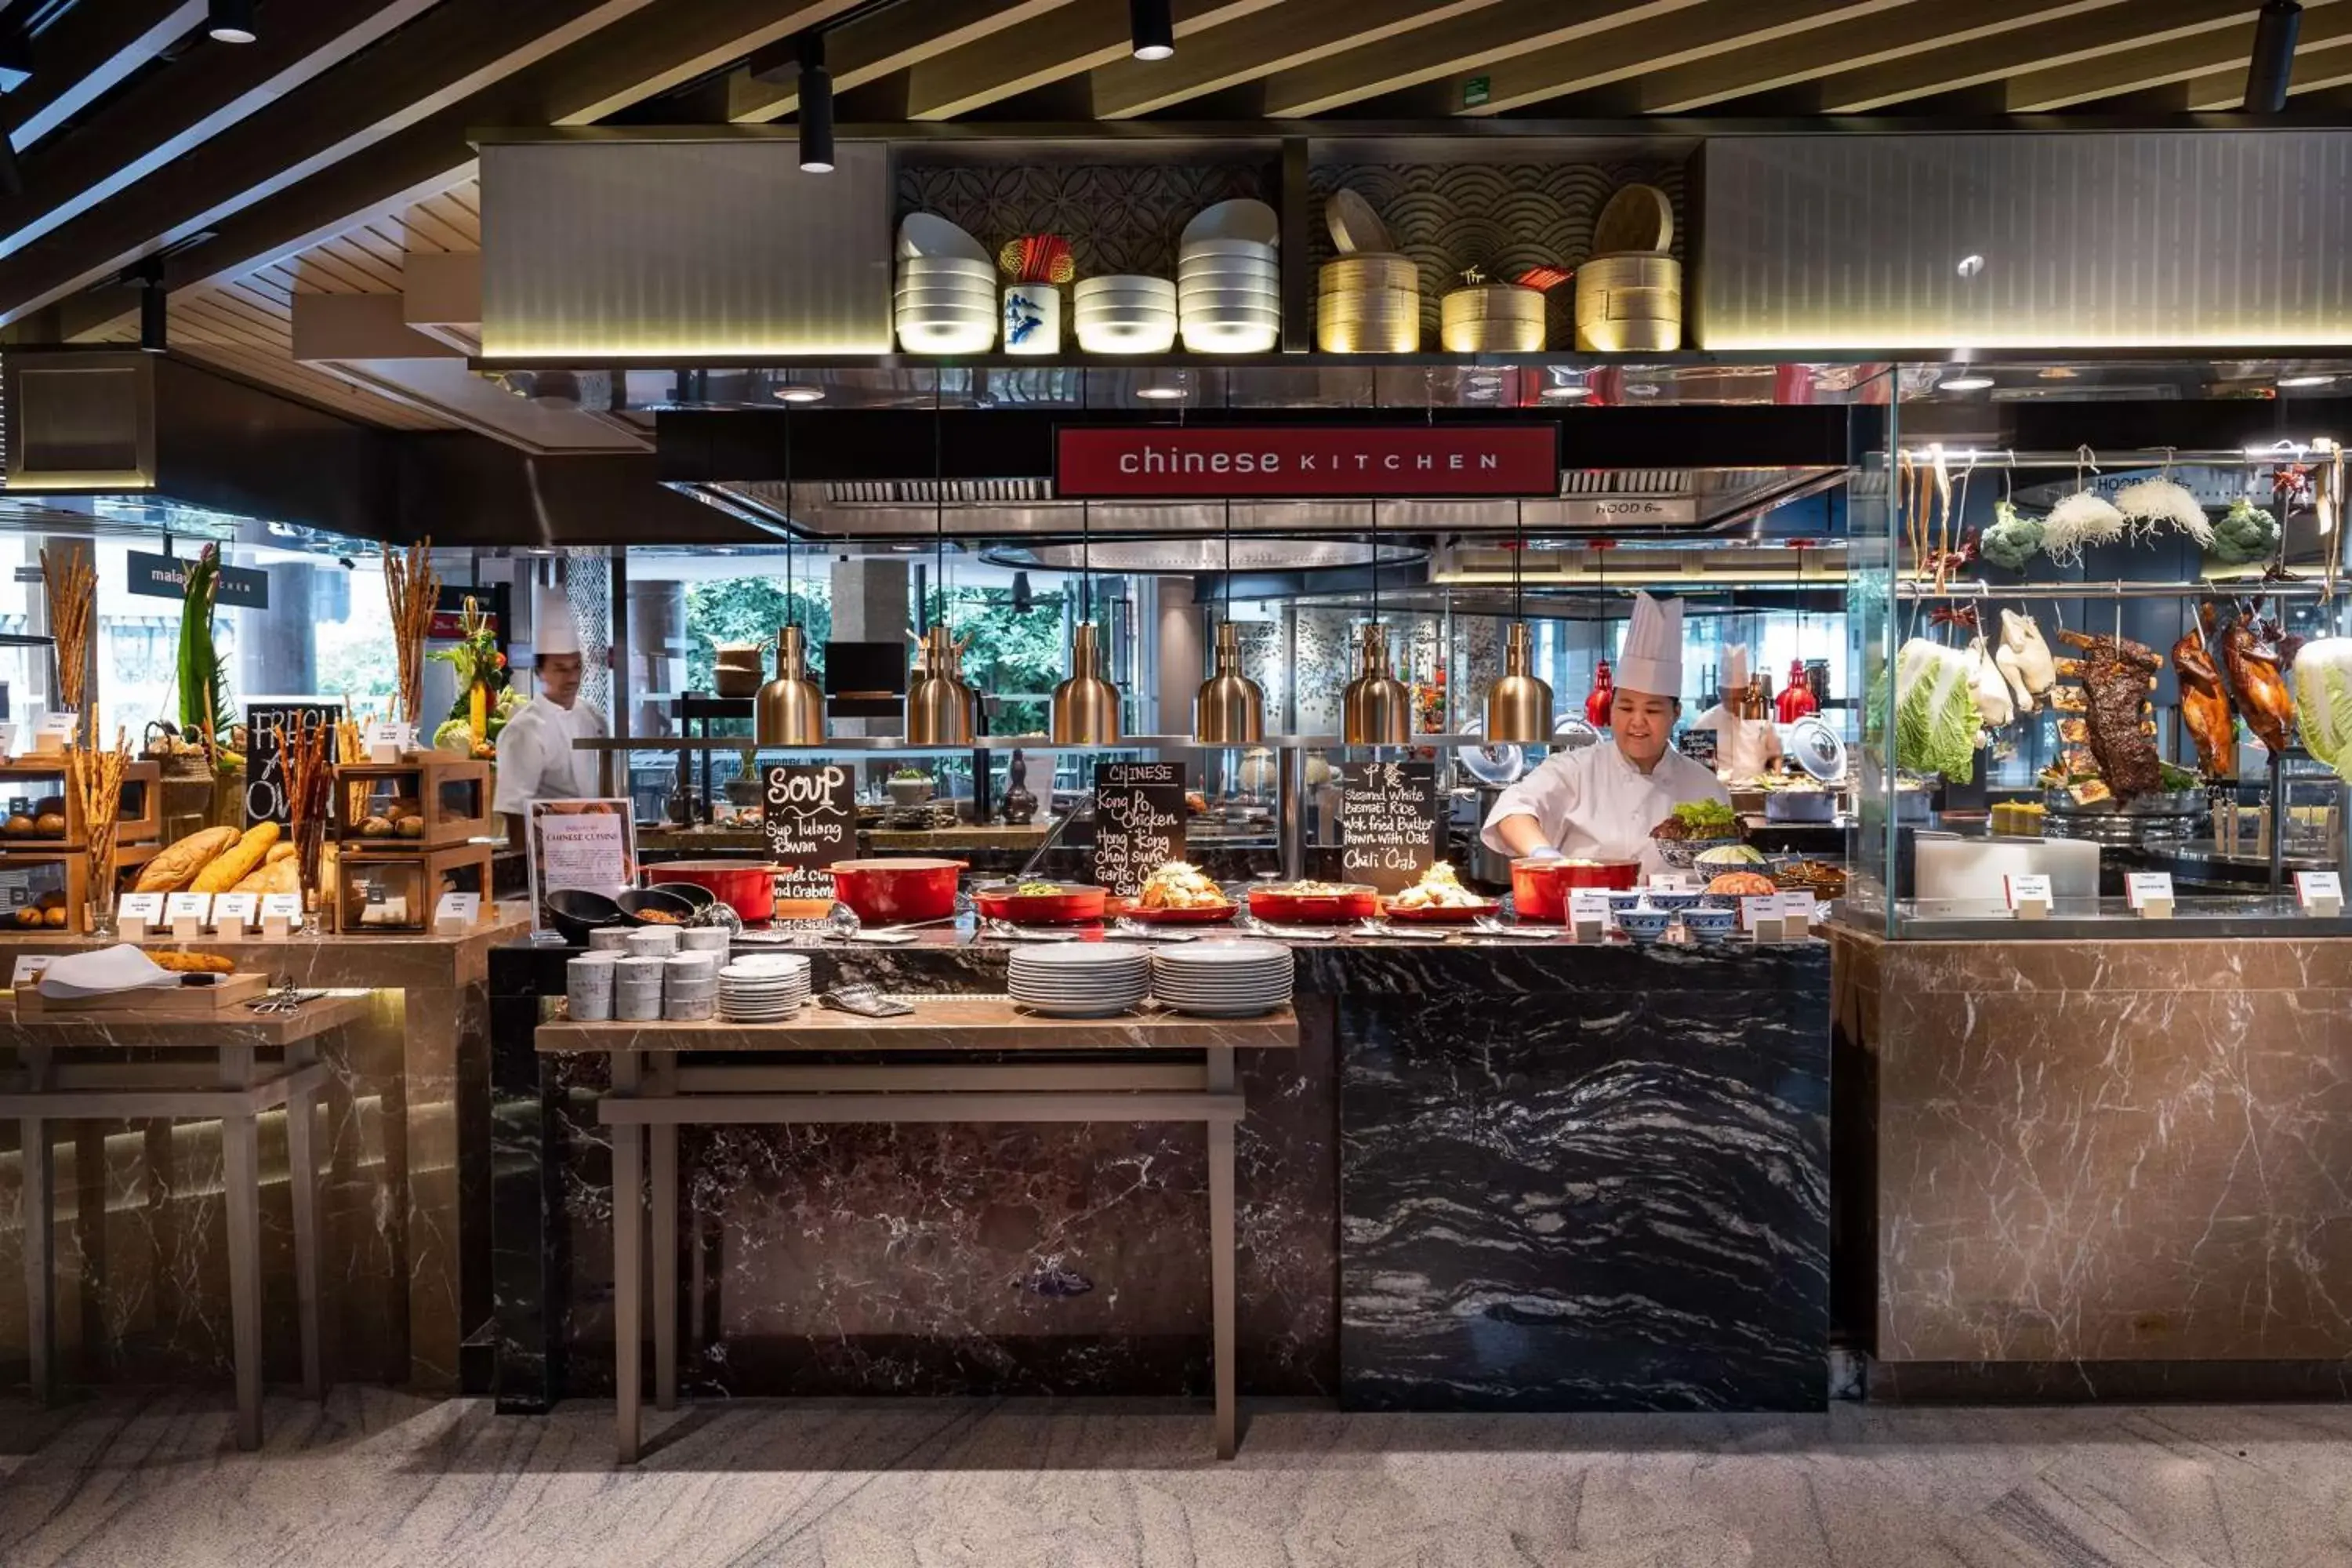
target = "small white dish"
x: 1241, y: 218
x: 928, y: 233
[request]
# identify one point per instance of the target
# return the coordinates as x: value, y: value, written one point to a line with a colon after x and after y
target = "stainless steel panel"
x: 2148, y: 239
x: 628, y: 249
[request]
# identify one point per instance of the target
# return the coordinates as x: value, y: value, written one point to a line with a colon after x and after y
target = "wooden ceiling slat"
x: 261, y: 297
x: 88, y: 51
x: 2150, y: 65
x: 331, y: 393
x: 1495, y: 34
x: 2070, y: 40
x: 2319, y: 67
x: 367, y: 272
x: 320, y: 270
x: 1294, y: 34
x: 891, y: 40
x: 1794, y: 58
x: 1712, y: 34
x: 386, y: 255
x: 445, y: 230
x: 1075, y: 39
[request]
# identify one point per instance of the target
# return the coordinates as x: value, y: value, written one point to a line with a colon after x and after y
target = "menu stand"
x: 233, y: 1088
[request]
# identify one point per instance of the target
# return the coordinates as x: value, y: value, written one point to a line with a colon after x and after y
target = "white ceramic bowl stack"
x: 1124, y: 313
x: 1222, y: 979
x: 947, y: 301
x: 690, y: 987
x: 762, y: 988
x: 1079, y: 980
x: 1229, y: 280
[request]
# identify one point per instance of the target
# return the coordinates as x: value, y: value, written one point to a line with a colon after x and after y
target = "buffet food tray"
x: 159, y: 1003
x: 2161, y: 818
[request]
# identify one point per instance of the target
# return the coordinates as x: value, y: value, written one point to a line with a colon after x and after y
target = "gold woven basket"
x: 1491, y: 318
x: 1629, y: 303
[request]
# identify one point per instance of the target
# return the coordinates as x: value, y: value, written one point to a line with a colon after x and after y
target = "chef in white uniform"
x: 536, y: 761
x: 1600, y: 803
x: 1745, y: 749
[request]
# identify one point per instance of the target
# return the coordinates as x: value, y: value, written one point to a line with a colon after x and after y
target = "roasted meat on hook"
x: 2204, y: 701
x: 2257, y: 678
x: 2117, y: 673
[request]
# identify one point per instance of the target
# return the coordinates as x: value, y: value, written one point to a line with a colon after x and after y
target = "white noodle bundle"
x: 2081, y: 518
x: 2158, y: 501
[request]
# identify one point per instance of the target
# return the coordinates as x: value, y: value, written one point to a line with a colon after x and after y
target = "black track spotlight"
x: 229, y: 21
x: 816, y: 107
x: 2272, y: 65
x: 1152, y: 27
x: 12, y: 174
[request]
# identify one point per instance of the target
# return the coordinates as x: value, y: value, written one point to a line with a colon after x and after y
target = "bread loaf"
x: 177, y: 866
x: 236, y: 864
x: 280, y: 851
x: 274, y: 876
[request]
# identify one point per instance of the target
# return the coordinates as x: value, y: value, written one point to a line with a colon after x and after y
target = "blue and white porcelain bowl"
x: 1677, y: 901
x: 1644, y: 925
x: 1711, y: 925
x: 1619, y: 902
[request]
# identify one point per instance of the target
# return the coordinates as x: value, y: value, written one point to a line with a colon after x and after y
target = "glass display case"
x: 2124, y: 670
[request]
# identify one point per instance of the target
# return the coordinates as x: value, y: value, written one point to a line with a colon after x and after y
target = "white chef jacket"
x: 536, y: 761
x: 1745, y: 748
x: 1594, y: 804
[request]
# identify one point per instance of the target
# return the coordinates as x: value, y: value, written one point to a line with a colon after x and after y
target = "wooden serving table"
x: 234, y: 1089
x: 658, y: 1084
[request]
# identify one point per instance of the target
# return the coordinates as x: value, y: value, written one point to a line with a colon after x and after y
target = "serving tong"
x: 286, y: 1000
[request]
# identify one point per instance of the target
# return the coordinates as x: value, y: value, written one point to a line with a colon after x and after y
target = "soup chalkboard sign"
x: 809, y: 815
x: 1138, y: 822
x: 264, y: 766
x: 1388, y: 822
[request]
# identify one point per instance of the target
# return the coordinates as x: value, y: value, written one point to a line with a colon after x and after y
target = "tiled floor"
x: 378, y: 1479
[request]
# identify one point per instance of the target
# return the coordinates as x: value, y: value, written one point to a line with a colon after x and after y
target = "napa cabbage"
x: 1936, y: 718
x: 2323, y: 700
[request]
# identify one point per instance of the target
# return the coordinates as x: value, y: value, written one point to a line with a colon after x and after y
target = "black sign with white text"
x: 166, y: 577
x: 1388, y: 822
x: 809, y: 813
x: 265, y: 767
x: 1138, y: 822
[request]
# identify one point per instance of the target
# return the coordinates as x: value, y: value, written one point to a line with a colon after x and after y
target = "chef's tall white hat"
x: 554, y: 631
x: 1734, y: 666
x: 1653, y: 661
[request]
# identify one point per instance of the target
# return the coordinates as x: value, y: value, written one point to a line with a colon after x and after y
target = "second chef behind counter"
x: 1600, y: 804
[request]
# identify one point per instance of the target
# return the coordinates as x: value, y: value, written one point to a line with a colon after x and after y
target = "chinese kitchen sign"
x: 1239, y: 461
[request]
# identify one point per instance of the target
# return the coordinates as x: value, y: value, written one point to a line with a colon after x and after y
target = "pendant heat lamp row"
x: 1229, y: 710
x: 1085, y: 706
x: 1518, y: 705
x: 1376, y: 709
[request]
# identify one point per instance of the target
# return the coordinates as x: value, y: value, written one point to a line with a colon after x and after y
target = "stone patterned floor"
x: 377, y: 1479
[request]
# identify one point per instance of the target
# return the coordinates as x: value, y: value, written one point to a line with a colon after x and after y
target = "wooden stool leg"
x: 241, y: 1195
x: 628, y: 1266
x: 665, y: 1243
x: 40, y: 1264
x: 302, y: 1178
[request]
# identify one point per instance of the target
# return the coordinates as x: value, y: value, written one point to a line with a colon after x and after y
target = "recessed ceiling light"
x: 1162, y: 392
x: 1971, y: 266
x: 2059, y: 373
x: 1151, y: 28
x: 1566, y: 391
x: 229, y: 21
x: 799, y: 392
x: 2306, y: 380
x: 1964, y: 383
x: 906, y: 549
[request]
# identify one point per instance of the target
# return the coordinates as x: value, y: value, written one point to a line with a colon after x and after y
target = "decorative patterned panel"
x: 588, y: 584
x: 1119, y: 217
x: 2145, y: 238
x: 1498, y: 217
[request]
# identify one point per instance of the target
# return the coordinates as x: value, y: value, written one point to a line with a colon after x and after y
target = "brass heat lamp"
x: 942, y: 710
x: 1376, y: 709
x: 1518, y: 705
x: 791, y: 710
x: 1085, y: 706
x: 1229, y: 710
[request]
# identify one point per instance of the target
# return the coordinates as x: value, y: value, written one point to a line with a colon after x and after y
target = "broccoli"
x: 2246, y: 532
x: 2012, y: 539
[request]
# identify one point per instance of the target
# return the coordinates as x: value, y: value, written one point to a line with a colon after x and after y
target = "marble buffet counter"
x: 1493, y: 1176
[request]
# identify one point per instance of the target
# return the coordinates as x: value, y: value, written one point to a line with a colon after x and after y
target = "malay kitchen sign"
x: 1245, y: 461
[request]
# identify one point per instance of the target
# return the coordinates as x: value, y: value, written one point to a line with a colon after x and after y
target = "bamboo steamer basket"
x: 1367, y: 302
x: 1491, y: 318
x: 1629, y: 303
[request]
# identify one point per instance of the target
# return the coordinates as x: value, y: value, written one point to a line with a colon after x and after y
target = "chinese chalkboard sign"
x: 265, y: 769
x: 1388, y: 822
x: 809, y: 815
x: 1138, y: 822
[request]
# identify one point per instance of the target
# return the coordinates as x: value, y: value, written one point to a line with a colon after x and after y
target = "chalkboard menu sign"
x: 265, y: 769
x: 1138, y: 822
x: 810, y: 818
x: 1388, y: 822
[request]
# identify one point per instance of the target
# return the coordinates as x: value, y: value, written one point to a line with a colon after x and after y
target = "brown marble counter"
x: 142, y: 1293
x: 938, y: 1023
x: 2065, y: 1157
x: 124, y: 1029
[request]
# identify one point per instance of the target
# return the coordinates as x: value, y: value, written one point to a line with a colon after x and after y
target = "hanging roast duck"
x: 2250, y: 650
x: 2205, y: 707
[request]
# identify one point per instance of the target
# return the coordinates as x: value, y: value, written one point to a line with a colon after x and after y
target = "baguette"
x: 281, y: 850
x: 234, y: 865
x: 273, y: 876
x: 178, y: 865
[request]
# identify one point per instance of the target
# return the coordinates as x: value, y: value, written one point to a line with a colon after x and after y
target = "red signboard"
x: 1241, y: 462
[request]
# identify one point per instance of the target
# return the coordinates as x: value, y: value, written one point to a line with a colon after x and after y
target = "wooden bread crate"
x: 448, y: 798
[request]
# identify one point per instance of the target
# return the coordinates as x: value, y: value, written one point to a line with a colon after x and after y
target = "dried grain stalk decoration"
x: 412, y: 591
x: 95, y: 779
x: 70, y: 581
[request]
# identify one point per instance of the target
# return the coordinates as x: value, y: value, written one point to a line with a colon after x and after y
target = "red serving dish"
x: 1071, y: 903
x: 749, y: 889
x: 1349, y: 901
x: 1540, y: 889
x: 1207, y: 914
x: 898, y: 890
x: 1460, y: 915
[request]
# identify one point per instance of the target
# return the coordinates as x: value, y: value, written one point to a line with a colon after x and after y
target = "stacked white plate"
x: 947, y: 300
x: 1080, y: 980
x: 1124, y: 314
x: 1229, y: 280
x: 762, y: 988
x: 1222, y: 979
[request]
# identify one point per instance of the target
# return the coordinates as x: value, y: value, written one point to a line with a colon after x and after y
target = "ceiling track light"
x: 2272, y: 66
x: 229, y: 21
x: 1151, y: 28
x: 815, y: 107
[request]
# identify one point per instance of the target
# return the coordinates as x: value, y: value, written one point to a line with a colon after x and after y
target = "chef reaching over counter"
x: 536, y: 761
x: 1600, y: 804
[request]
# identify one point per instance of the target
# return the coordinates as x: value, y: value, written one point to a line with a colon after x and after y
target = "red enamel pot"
x: 898, y: 890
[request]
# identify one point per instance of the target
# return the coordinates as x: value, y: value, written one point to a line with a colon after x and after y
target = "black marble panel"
x: 1583, y: 1178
